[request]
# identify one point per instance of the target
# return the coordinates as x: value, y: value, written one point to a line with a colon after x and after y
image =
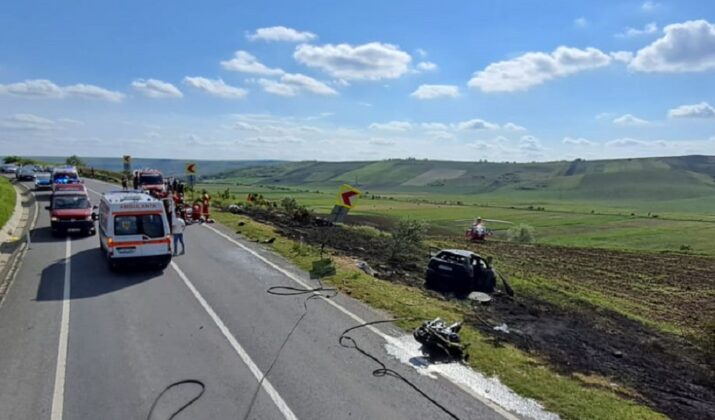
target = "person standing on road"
x: 125, y: 183
x: 177, y: 230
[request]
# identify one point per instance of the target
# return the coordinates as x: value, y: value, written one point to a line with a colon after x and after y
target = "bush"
x: 295, y: 211
x: 523, y: 234
x: 407, y: 239
x: 74, y: 160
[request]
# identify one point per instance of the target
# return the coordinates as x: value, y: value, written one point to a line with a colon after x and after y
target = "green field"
x: 7, y: 200
x: 654, y: 204
x: 561, y: 223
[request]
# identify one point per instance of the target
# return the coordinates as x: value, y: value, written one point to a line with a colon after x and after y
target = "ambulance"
x: 133, y: 228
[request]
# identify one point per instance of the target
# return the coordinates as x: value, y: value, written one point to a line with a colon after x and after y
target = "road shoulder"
x: 14, y: 236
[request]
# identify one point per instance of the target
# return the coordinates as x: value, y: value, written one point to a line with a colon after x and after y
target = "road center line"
x: 265, y: 384
x: 58, y: 397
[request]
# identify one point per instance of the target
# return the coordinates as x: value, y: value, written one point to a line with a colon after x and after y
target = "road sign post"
x: 345, y: 200
x: 127, y: 164
x: 191, y: 170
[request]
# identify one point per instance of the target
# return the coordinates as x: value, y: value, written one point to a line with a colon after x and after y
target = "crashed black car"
x: 460, y: 272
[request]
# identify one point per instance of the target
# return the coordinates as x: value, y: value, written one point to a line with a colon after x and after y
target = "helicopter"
x: 478, y: 232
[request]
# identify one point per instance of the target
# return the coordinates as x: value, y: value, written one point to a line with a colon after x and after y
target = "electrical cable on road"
x: 290, y: 291
x: 173, y: 385
x: 383, y: 370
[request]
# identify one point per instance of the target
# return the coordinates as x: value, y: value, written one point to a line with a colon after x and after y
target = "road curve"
x: 128, y: 336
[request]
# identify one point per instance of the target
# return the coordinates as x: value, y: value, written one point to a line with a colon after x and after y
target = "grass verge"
x: 572, y: 397
x: 7, y: 200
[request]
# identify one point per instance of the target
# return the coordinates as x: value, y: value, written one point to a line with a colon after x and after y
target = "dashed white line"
x: 58, y: 397
x: 265, y: 383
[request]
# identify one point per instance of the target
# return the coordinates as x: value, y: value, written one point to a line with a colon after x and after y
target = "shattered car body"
x: 459, y: 271
x: 440, y: 341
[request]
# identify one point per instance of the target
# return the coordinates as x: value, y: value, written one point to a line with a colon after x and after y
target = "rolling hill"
x: 666, y: 178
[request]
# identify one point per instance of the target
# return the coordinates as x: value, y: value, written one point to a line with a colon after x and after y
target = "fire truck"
x: 151, y: 181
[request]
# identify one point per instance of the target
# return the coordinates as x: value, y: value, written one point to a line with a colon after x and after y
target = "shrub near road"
x: 7, y: 200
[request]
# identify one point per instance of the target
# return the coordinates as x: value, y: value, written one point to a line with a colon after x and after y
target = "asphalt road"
x: 78, y: 341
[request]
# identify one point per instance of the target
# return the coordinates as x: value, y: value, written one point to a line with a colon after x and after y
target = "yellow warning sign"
x: 347, y: 196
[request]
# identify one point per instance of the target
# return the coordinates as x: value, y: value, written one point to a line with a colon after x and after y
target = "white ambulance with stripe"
x: 133, y: 228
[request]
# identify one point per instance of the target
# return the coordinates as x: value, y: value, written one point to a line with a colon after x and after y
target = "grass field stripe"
x: 58, y: 396
x: 265, y: 383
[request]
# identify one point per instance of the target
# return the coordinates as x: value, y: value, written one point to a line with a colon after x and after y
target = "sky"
x: 500, y: 80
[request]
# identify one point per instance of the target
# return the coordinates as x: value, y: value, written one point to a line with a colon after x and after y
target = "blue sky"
x: 463, y: 80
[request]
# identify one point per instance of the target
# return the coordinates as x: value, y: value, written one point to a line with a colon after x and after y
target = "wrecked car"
x: 459, y: 271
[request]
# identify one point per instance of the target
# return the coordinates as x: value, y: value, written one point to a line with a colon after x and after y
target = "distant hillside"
x: 665, y: 178
x: 170, y: 167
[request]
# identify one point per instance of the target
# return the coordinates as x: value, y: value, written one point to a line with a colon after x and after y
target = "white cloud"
x: 701, y: 110
x: 281, y: 33
x: 42, y: 88
x: 307, y: 84
x: 622, y: 56
x: 440, y: 135
x: 153, y: 88
x: 648, y: 29
x: 580, y: 22
x: 382, y: 142
x: 435, y: 91
x: 534, y: 68
x: 426, y: 66
x: 629, y: 119
x: 434, y: 126
x: 293, y: 84
x: 391, y: 126
x: 245, y: 62
x: 649, y: 6
x: 275, y: 139
x: 577, y: 141
x: 241, y: 125
x: 530, y: 144
x: 372, y: 61
x: 277, y: 88
x: 421, y: 52
x: 513, y: 127
x: 476, y: 124
x: 685, y: 47
x: 626, y: 142
x: 82, y: 90
x: 27, y: 122
x: 215, y: 87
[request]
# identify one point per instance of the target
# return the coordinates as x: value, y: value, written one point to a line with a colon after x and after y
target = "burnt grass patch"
x: 671, y: 373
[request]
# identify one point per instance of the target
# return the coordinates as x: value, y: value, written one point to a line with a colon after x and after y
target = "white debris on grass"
x: 407, y: 350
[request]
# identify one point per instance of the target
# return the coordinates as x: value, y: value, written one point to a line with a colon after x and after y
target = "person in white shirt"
x: 177, y: 230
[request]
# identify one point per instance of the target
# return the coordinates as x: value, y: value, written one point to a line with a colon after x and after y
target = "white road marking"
x: 359, y: 320
x: 96, y: 192
x: 58, y: 398
x: 265, y: 383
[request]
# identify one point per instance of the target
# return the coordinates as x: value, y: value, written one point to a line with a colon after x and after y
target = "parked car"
x: 9, y: 168
x: 71, y: 210
x: 26, y: 173
x: 43, y: 181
